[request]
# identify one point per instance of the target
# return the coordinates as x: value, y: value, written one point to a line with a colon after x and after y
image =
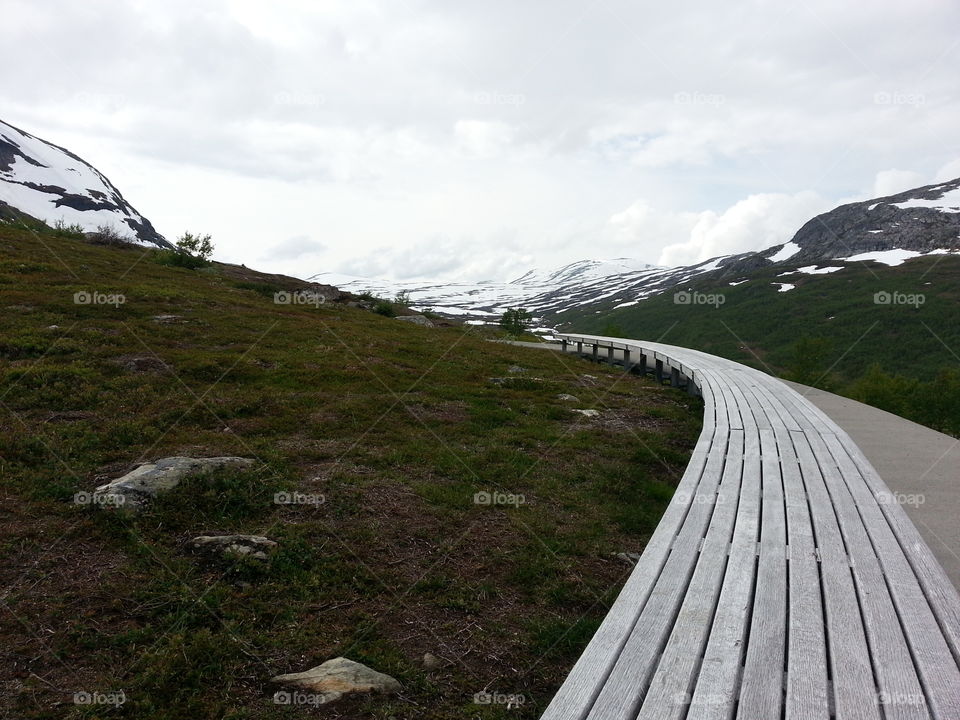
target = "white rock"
x: 135, y: 488
x: 338, y: 677
x: 587, y: 413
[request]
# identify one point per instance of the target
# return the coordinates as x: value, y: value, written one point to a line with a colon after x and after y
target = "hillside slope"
x: 824, y: 329
x: 392, y: 428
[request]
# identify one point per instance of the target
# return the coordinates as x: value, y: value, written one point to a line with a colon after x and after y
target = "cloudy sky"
x: 473, y: 140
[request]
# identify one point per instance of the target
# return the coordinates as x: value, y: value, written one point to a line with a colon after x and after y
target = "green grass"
x: 396, y: 426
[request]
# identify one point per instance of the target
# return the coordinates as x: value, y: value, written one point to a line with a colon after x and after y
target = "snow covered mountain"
x: 890, y: 230
x: 49, y: 183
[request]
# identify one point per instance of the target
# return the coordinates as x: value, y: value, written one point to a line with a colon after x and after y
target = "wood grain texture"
x: 782, y: 582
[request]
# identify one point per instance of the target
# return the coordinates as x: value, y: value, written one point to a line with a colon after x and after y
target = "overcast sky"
x: 473, y: 140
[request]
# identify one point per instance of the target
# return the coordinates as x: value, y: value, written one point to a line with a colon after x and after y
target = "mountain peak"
x: 50, y: 183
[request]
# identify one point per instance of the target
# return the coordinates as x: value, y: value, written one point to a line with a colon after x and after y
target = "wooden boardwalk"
x: 783, y: 581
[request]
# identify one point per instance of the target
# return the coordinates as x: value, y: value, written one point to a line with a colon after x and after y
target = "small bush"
x: 108, y: 235
x: 61, y: 229
x: 191, y: 252
x: 385, y: 308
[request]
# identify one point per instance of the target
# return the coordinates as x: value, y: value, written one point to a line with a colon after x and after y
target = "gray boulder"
x: 139, y: 486
x: 336, y: 678
x: 568, y: 398
x: 416, y: 320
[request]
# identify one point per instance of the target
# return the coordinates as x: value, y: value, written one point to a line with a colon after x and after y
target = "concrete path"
x: 921, y: 464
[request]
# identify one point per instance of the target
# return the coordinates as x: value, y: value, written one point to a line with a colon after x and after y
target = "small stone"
x: 430, y: 661
x: 336, y: 678
x: 587, y: 413
x: 167, y: 319
x: 568, y: 398
x: 516, y: 369
x: 255, y: 547
x: 145, y: 364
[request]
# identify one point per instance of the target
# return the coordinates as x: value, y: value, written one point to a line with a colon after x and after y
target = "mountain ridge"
x: 890, y: 229
x: 46, y: 182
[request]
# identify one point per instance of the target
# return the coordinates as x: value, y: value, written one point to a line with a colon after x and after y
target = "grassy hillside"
x: 394, y: 426
x: 828, y: 331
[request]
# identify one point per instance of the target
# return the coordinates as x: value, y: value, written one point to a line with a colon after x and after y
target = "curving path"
x: 783, y: 581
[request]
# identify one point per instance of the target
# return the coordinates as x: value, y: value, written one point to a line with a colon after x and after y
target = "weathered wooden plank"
x: 717, y: 687
x: 794, y: 485
x: 620, y: 696
x: 942, y: 595
x: 576, y: 696
x: 854, y: 690
x: 935, y: 662
x: 898, y: 684
x: 667, y: 697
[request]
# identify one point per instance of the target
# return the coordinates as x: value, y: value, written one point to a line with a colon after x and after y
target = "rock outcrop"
x: 136, y: 488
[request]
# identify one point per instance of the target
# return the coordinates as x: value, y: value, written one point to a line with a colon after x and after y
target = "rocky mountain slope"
x: 889, y: 230
x: 49, y: 183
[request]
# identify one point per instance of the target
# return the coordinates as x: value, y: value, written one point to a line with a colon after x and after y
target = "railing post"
x: 579, y: 347
x: 563, y: 345
x: 643, y: 364
x: 610, y: 354
x: 596, y: 349
x: 659, y: 371
x: 675, y: 377
x: 626, y: 359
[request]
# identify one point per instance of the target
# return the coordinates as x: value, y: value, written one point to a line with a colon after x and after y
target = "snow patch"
x: 784, y: 287
x: 785, y: 253
x: 887, y: 257
x: 948, y: 202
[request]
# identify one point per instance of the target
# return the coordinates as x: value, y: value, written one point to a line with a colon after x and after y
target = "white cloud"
x: 295, y: 248
x: 754, y: 223
x: 891, y: 182
x: 508, y: 132
x: 950, y: 171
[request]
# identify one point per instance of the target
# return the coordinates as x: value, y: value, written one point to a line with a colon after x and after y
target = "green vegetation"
x: 397, y: 427
x: 190, y: 251
x: 516, y: 321
x: 827, y: 332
